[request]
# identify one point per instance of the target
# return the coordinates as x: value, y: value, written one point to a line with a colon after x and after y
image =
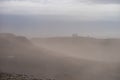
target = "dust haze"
x: 59, y: 39
x: 59, y: 58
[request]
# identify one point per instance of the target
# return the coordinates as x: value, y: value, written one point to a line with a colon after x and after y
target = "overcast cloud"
x: 84, y: 9
x: 94, y: 1
x: 101, y: 1
x: 67, y: 13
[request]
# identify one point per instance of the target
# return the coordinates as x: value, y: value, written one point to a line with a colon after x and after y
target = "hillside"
x: 21, y: 56
x: 83, y: 47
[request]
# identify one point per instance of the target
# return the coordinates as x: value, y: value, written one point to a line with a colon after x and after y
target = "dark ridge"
x: 14, y: 76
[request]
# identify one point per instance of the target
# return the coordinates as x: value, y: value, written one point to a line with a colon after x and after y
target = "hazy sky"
x: 61, y: 17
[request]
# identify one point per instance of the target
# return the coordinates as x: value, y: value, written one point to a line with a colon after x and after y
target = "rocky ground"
x: 14, y: 76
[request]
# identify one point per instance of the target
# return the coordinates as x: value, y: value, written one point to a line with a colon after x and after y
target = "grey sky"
x: 60, y: 17
x: 102, y: 1
x: 98, y: 1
